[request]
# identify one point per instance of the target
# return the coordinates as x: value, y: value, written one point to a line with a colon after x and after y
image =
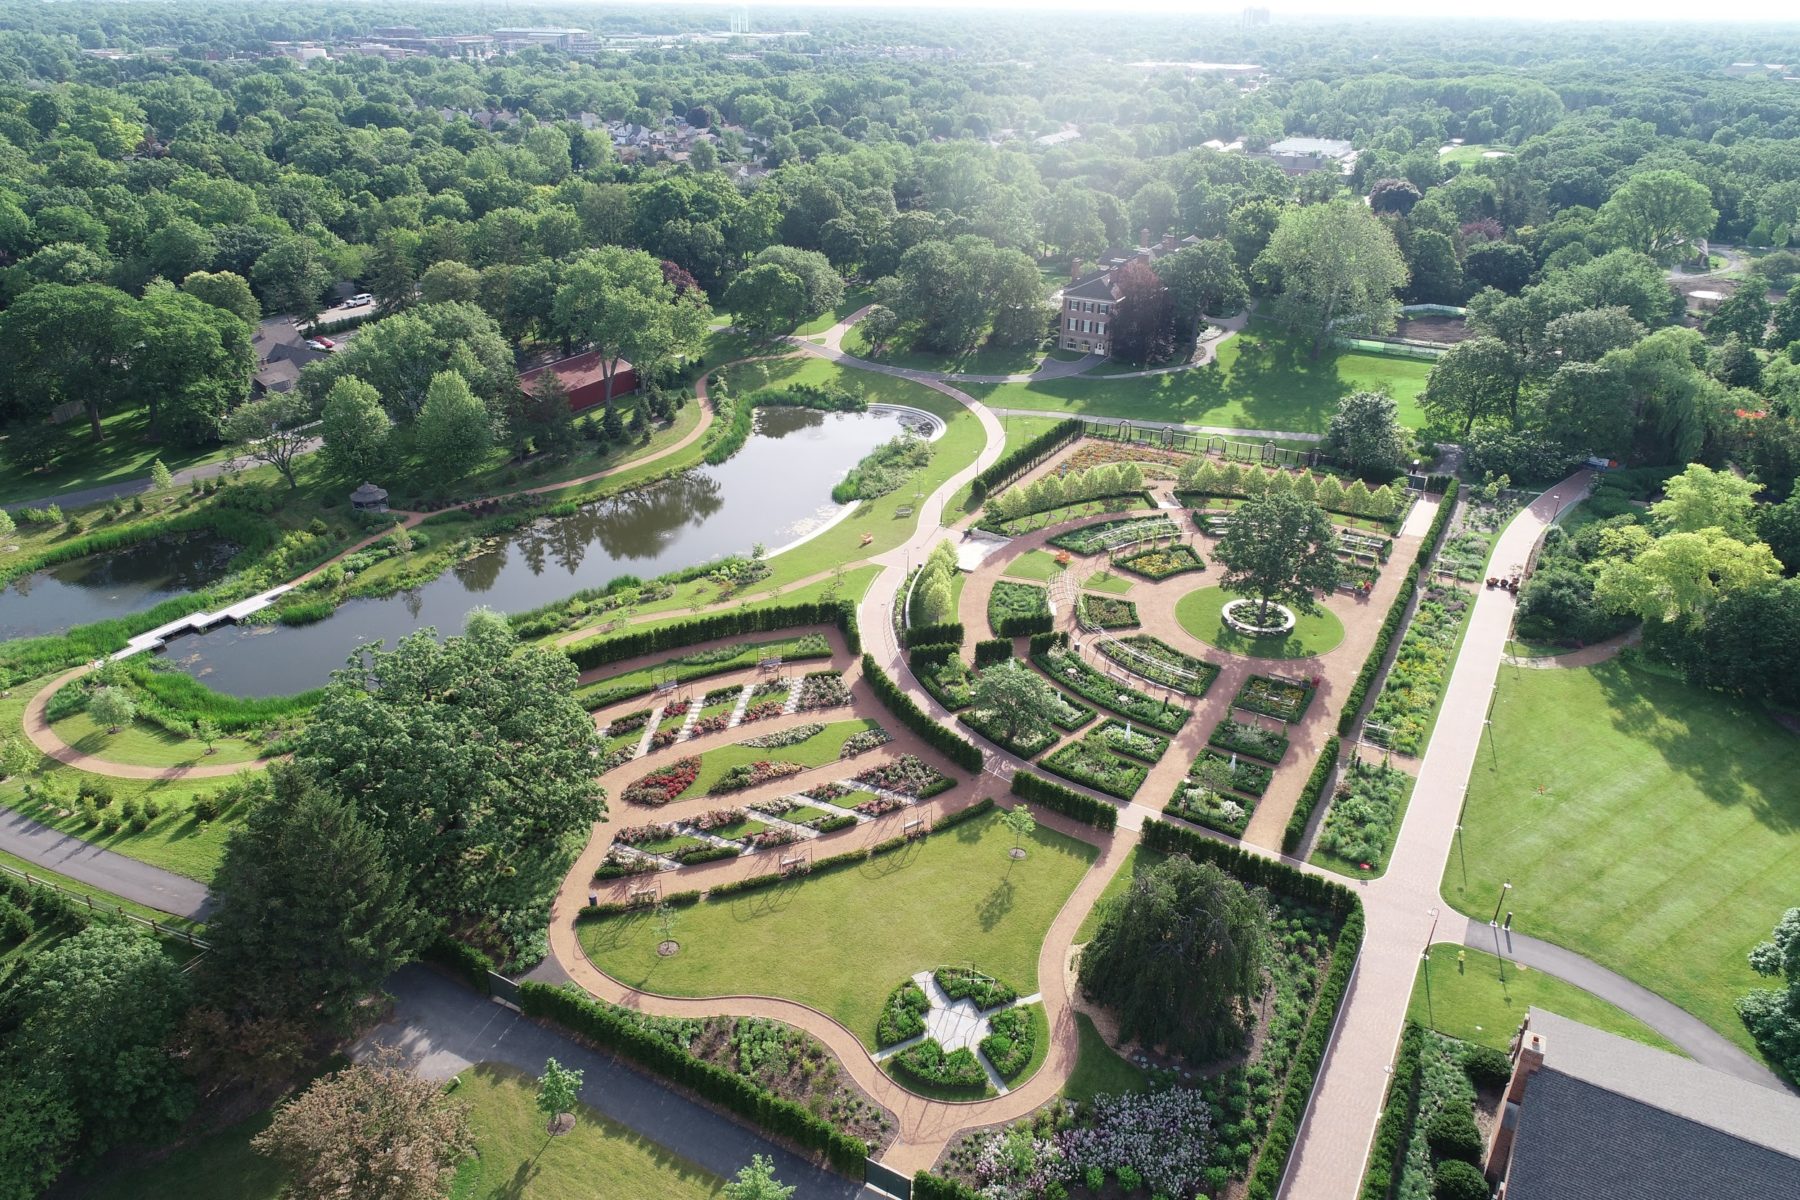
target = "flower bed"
x: 617, y: 757
x: 928, y: 1064
x: 1011, y: 1042
x: 663, y: 784
x: 1277, y: 698
x: 1106, y: 612
x: 909, y: 775
x: 861, y: 743
x: 965, y: 983
x: 1092, y: 763
x: 770, y: 838
x: 903, y: 1015
x: 617, y: 865
x: 1074, y: 673
x: 1160, y: 662
x: 1018, y: 608
x: 1359, y: 826
x: 1028, y: 744
x: 1229, y: 815
x: 770, y: 687
x: 823, y: 689
x: 676, y: 708
x: 662, y: 739
x: 786, y: 737
x: 1093, y: 539
x: 880, y: 806
x: 629, y: 723
x: 1132, y: 741
x: 950, y: 682
x: 830, y: 793
x: 749, y: 775
x: 1161, y: 562
x: 1416, y: 681
x: 1266, y: 744
x: 716, y: 723
x: 762, y: 710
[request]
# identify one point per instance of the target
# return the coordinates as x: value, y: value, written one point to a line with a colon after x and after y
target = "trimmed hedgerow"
x: 1295, y: 832
x: 1396, y: 1120
x: 462, y: 960
x: 597, y: 652
x: 1064, y: 800
x: 928, y: 635
x: 991, y: 651
x: 1009, y: 467
x: 903, y: 1015
x: 951, y: 745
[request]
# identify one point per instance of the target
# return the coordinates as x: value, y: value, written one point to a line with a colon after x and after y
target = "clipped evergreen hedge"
x: 991, y: 651
x: 1009, y: 467
x: 1309, y: 796
x: 932, y: 653
x: 1067, y: 801
x: 619, y: 1033
x: 1035, y: 625
x: 1043, y: 643
x: 947, y: 742
x: 462, y: 960
x: 926, y: 1186
x: 1253, y: 869
x: 1395, y: 1130
x: 928, y: 635
x: 597, y: 652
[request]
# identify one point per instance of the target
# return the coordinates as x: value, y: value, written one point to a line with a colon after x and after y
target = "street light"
x: 1495, y: 919
x: 1430, y: 1013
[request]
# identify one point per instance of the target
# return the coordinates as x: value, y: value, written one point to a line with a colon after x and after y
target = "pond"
x: 776, y: 490
x: 114, y: 584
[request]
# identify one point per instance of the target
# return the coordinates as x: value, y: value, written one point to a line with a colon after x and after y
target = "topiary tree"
x: 1486, y: 1066
x: 1452, y: 1134
x: 1457, y: 1180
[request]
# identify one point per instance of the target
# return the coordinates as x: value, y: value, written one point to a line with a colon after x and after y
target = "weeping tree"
x: 1179, y: 958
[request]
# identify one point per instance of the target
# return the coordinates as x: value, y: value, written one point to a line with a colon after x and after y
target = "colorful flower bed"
x: 1416, y: 681
x: 749, y: 775
x: 1074, y: 673
x: 1028, y: 743
x: 830, y: 793
x: 629, y: 723
x: 1359, y: 827
x: 663, y: 784
x: 823, y: 689
x: 617, y: 757
x: 1011, y: 1042
x: 928, y: 1064
x: 786, y: 737
x: 1161, y: 562
x: 713, y: 724
x: 880, y: 806
x: 1230, y: 815
x: 762, y: 710
x: 1132, y: 741
x: 909, y: 775
x: 1091, y: 762
x: 1279, y: 698
x: 618, y: 865
x: 1093, y: 539
x: 1106, y: 612
x: 1266, y: 744
x: 1160, y: 662
x: 662, y: 739
x: 965, y: 983
x: 861, y: 743
x: 903, y: 1015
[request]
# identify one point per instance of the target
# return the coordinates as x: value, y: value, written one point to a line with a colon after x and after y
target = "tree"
x: 455, y: 431
x: 1279, y: 548
x: 399, y: 356
x: 226, y: 290
x: 1659, y: 213
x: 1787, y: 321
x: 1701, y: 498
x: 1745, y: 312
x: 821, y: 286
x: 541, y: 416
x: 291, y: 277
x: 473, y: 760
x: 943, y: 288
x: 191, y: 364
x: 1773, y: 1014
x: 1141, y: 328
x: 269, y: 431
x: 1394, y: 197
x: 63, y: 344
x: 879, y: 325
x: 1017, y: 292
x: 1475, y: 380
x: 1021, y: 824
x: 766, y: 299
x: 558, y: 1091
x: 1019, y: 700
x: 1677, y: 578
x: 311, y: 915
x: 1749, y: 645
x: 1179, y: 957
x: 355, y: 429
x: 1503, y: 265
x: 1367, y: 436
x: 160, y: 480
x: 1779, y: 526
x: 391, y: 277
x: 1202, y: 279
x: 757, y: 1182
x: 449, y: 281
x: 374, y: 1130
x: 612, y: 424
x: 618, y: 301
x: 111, y: 707
x: 1336, y: 267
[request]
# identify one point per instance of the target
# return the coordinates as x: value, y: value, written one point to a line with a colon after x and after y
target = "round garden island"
x: 1202, y: 614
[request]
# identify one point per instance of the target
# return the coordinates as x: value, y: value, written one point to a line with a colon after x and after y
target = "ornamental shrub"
x: 1452, y: 1135
x: 1486, y: 1066
x: 1457, y: 1180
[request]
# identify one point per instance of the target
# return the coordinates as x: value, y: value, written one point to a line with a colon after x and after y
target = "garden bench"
x: 769, y: 664
x: 905, y: 510
x: 664, y: 688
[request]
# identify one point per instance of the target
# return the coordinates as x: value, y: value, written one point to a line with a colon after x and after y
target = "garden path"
x: 1587, y: 656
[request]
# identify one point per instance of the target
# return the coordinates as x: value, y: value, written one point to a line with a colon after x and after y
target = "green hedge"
x: 1396, y: 614
x: 1034, y: 625
x: 1253, y: 869
x: 597, y: 652
x: 615, y: 1031
x: 1009, y: 467
x: 927, y: 1186
x: 462, y: 960
x: 930, y: 654
x: 991, y: 651
x: 1387, y: 1154
x: 1309, y: 796
x: 1067, y: 801
x: 1043, y: 643
x: 926, y: 635
x: 951, y: 745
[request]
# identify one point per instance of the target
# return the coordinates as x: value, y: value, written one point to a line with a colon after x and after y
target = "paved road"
x: 444, y: 1028
x: 126, y: 877
x: 1701, y: 1041
x: 125, y: 488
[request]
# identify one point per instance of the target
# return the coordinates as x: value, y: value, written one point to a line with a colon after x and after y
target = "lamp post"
x: 1495, y: 919
x: 1425, y: 966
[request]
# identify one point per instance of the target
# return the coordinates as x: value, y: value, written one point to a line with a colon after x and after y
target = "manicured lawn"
x: 1473, y: 1002
x: 1263, y: 380
x: 1200, y: 615
x: 1139, y: 859
x: 125, y: 455
x: 513, y: 1158
x: 1647, y: 825
x: 815, y: 751
x: 854, y: 298
x: 1034, y: 564
x: 1098, y: 1071
x: 851, y: 586
x: 1019, y: 430
x: 983, y: 360
x: 150, y: 745
x: 843, y: 940
x: 1106, y: 581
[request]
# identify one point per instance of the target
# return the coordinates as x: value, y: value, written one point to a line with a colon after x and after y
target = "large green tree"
x: 354, y: 428
x: 766, y: 299
x: 1180, y: 958
x: 1475, y: 380
x: 400, y: 355
x: 193, y: 362
x: 1702, y: 498
x: 1280, y: 548
x: 61, y: 345
x: 1660, y: 213
x: 273, y: 430
x: 1335, y: 268
x: 1677, y: 578
x: 226, y: 290
x: 1019, y: 701
x: 455, y: 432
x: 619, y: 302
x: 1366, y: 434
x: 474, y: 761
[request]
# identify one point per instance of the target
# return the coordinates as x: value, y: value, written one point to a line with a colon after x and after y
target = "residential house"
x: 281, y: 351
x: 1089, y: 300
x: 1591, y: 1116
x: 584, y: 379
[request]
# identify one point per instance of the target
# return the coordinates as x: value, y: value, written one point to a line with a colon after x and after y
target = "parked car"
x: 361, y: 298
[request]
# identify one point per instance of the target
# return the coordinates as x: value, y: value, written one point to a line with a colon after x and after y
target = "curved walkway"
x: 1587, y: 656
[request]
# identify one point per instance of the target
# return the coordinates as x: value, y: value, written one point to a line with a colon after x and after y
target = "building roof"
x: 368, y: 493
x: 583, y: 370
x: 1604, y: 1116
x: 1322, y: 147
x: 281, y: 351
x: 1097, y: 283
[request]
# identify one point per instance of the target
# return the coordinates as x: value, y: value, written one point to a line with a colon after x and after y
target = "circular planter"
x: 1234, y: 615
x: 668, y: 948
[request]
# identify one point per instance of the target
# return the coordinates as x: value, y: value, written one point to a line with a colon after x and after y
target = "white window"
x: 1072, y: 324
x: 1104, y: 306
x: 1100, y: 327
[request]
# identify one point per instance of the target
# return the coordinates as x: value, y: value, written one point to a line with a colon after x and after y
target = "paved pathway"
x: 1587, y: 656
x: 443, y: 1028
x: 120, y: 489
x: 124, y: 877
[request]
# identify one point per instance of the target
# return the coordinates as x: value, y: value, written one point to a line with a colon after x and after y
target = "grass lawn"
x: 125, y: 455
x: 1040, y: 565
x: 842, y: 941
x: 854, y: 298
x: 1263, y: 380
x: 851, y: 586
x: 1465, y: 156
x: 1653, y: 827
x: 1200, y: 615
x: 815, y: 751
x: 646, y: 678
x: 150, y: 745
x: 1019, y: 430
x: 1139, y: 859
x: 983, y: 360
x: 1098, y: 1070
x: 1472, y: 1002
x: 1105, y: 581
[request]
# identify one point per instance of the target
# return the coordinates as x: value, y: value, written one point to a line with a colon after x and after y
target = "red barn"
x: 584, y: 379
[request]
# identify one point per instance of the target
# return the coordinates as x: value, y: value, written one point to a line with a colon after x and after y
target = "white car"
x: 360, y: 299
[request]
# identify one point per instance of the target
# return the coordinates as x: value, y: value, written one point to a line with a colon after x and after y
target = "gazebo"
x: 369, y: 498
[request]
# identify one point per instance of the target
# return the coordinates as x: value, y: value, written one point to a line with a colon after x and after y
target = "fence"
x: 1398, y: 349
x: 89, y: 902
x: 888, y: 1180
x: 1192, y: 441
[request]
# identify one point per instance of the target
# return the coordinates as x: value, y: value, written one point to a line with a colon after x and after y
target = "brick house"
x: 1091, y: 295
x: 584, y: 379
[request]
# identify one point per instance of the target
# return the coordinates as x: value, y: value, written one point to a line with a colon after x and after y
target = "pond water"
x: 115, y: 584
x: 776, y: 490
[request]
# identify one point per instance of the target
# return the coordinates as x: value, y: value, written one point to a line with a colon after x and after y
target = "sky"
x: 1785, y: 11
